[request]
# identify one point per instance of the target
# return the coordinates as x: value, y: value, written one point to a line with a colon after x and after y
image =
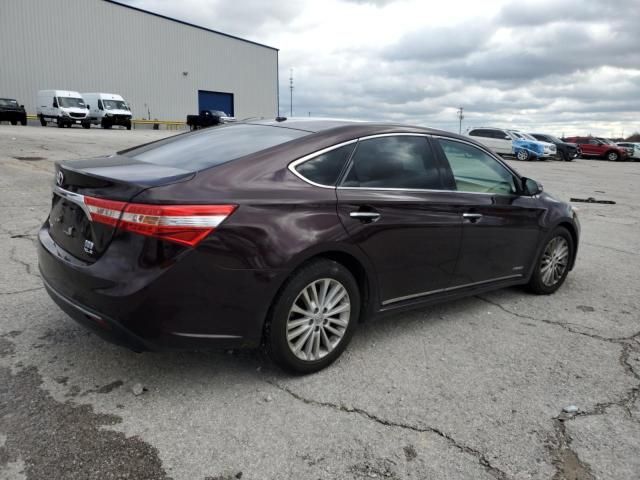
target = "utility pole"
x: 460, y: 117
x: 291, y: 93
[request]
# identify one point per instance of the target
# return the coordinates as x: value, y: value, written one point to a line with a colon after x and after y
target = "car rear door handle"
x: 365, y: 216
x: 472, y: 217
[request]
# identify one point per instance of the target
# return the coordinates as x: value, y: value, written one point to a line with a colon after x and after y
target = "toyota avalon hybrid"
x: 289, y: 233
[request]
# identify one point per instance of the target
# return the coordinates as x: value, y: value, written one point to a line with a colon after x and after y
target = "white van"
x: 108, y: 109
x: 63, y: 107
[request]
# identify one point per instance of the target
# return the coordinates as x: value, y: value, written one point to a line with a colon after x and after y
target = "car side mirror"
x: 88, y: 107
x: 22, y: 106
x: 531, y: 187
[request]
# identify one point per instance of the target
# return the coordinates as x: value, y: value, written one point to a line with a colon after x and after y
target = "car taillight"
x: 184, y: 224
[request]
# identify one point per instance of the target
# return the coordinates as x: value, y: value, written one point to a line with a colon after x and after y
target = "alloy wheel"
x: 523, y: 155
x: 555, y: 260
x: 318, y: 319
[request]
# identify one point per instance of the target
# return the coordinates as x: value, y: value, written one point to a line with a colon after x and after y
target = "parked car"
x: 208, y: 118
x: 565, y: 151
x: 634, y: 147
x: 63, y: 107
x: 598, y: 148
x: 511, y: 142
x: 108, y: 109
x: 289, y: 233
x: 526, y: 147
x: 12, y: 111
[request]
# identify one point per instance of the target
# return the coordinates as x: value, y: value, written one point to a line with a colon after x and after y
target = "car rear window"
x: 213, y: 146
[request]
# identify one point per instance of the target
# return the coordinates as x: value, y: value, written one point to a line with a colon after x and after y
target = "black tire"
x: 537, y: 284
x: 23, y: 122
x: 106, y: 125
x: 275, y: 334
x: 60, y: 123
x: 523, y: 155
x: 612, y: 156
x: 128, y: 125
x: 565, y: 156
x: 14, y: 122
x: 86, y: 125
x: 43, y: 122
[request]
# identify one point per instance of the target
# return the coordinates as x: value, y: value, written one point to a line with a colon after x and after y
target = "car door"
x: 503, y: 142
x: 484, y: 136
x: 392, y: 205
x: 500, y: 227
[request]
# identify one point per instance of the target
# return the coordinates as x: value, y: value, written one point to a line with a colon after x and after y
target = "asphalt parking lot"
x: 468, y: 390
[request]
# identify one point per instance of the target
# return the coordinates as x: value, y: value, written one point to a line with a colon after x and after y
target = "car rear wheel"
x: 612, y: 156
x: 23, y: 122
x: 43, y: 122
x: 313, y: 317
x: 552, y: 266
x: 523, y: 155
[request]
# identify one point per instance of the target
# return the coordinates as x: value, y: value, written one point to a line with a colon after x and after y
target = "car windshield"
x: 8, y: 102
x: 69, y: 102
x: 608, y: 142
x: 219, y: 113
x: 115, y: 105
x: 554, y: 139
x: 213, y: 146
x: 516, y: 134
x: 529, y: 137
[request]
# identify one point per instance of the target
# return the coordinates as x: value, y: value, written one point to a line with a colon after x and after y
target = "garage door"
x: 215, y: 101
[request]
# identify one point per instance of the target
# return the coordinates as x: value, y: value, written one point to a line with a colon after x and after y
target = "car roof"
x: 359, y: 127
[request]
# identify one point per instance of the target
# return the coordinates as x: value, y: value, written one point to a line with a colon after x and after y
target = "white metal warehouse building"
x: 164, y: 68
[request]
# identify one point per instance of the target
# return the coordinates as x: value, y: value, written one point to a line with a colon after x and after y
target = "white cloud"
x: 568, y: 66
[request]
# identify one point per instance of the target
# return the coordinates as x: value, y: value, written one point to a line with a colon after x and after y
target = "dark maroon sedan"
x: 289, y: 233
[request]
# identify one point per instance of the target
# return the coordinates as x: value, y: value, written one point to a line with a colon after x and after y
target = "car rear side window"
x: 213, y: 146
x: 393, y: 162
x: 325, y: 168
x: 480, y: 133
x: 475, y: 170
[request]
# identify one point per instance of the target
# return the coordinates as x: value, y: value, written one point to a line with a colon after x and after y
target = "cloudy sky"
x: 560, y: 66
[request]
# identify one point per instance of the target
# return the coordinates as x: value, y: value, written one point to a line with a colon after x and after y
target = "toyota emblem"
x: 60, y: 178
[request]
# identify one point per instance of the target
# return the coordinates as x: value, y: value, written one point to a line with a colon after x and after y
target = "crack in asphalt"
x: 479, y: 456
x: 564, y: 325
x: 20, y: 291
x: 566, y: 461
x: 26, y: 265
x: 568, y: 464
x: 619, y: 250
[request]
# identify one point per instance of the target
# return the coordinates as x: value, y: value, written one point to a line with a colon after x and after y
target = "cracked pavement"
x: 473, y: 389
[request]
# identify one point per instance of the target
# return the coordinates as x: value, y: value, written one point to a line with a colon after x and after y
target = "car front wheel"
x: 523, y: 155
x: 612, y: 156
x: 313, y: 317
x: 552, y: 266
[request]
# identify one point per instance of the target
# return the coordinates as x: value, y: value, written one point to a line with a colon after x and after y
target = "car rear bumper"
x: 186, y: 304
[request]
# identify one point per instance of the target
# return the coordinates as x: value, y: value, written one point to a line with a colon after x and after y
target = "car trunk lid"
x: 90, y: 195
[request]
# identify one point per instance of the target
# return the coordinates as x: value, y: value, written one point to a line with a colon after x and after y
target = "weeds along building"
x: 163, y: 67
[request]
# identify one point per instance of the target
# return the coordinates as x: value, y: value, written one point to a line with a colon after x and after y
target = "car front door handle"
x: 472, y: 217
x: 365, y: 216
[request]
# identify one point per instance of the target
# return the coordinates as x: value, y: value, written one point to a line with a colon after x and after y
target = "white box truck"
x: 63, y: 107
x: 108, y: 109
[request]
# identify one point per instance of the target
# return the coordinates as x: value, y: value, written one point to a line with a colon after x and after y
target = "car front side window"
x: 399, y: 161
x: 476, y: 171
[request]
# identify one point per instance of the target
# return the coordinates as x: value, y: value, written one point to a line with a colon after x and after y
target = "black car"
x: 289, y: 233
x: 566, y: 151
x: 11, y: 111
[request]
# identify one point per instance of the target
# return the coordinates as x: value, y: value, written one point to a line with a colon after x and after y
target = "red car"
x: 599, y: 148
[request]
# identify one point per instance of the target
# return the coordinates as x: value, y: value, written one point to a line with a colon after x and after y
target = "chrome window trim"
x: 292, y: 166
x: 448, y: 289
x: 295, y: 163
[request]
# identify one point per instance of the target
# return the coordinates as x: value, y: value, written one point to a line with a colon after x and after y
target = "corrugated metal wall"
x: 98, y: 46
